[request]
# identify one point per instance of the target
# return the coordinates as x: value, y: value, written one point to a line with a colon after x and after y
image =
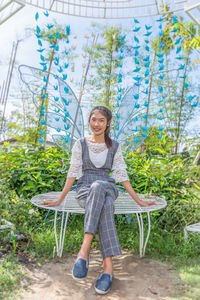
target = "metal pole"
x: 5, y: 87
x: 8, y: 80
x: 2, y: 90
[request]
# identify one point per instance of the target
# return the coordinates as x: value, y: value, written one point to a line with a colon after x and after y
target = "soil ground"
x: 134, y: 278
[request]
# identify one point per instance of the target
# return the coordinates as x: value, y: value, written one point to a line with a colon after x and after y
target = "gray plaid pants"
x: 98, y: 201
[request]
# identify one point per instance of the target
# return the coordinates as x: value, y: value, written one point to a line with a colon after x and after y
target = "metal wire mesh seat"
x: 123, y: 205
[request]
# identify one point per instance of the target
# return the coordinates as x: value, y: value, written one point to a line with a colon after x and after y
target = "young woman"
x: 92, y: 160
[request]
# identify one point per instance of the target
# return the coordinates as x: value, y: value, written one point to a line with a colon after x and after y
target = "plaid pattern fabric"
x: 96, y: 192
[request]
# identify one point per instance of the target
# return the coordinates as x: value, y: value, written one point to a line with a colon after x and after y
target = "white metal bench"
x: 191, y: 228
x: 4, y: 224
x: 123, y: 205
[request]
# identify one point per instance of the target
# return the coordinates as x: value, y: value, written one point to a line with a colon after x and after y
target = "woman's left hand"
x: 147, y: 203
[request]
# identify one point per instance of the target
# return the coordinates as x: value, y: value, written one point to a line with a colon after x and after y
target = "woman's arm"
x: 68, y: 184
x: 73, y: 173
x: 127, y: 185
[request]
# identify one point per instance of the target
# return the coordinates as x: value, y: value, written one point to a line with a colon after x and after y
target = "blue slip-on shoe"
x: 80, y: 268
x: 103, y: 283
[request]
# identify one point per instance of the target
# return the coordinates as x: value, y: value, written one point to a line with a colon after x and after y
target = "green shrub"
x: 165, y: 175
x: 30, y: 171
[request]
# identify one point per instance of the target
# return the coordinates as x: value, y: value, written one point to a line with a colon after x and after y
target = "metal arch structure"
x: 8, y: 8
x: 101, y: 9
x: 107, y: 9
x: 192, y: 8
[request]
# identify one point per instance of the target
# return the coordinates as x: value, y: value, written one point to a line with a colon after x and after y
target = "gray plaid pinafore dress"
x: 96, y: 192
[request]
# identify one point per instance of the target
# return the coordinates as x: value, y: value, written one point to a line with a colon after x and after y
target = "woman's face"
x: 98, y: 123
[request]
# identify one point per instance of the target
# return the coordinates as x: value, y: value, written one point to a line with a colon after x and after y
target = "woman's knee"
x: 97, y: 185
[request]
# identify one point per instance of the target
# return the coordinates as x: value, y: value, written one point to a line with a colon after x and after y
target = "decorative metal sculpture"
x: 139, y: 108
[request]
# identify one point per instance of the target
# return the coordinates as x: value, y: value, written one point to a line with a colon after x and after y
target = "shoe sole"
x: 100, y: 292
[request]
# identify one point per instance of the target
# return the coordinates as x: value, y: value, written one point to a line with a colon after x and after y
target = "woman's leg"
x: 107, y: 265
x: 99, y: 213
x: 108, y: 235
x: 85, y: 248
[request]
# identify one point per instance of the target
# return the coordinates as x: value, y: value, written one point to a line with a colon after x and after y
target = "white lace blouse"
x: 98, y: 153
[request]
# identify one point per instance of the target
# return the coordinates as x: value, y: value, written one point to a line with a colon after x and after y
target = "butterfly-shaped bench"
x: 192, y: 228
x: 123, y: 205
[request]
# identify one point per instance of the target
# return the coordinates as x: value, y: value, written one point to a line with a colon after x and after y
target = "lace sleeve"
x: 119, y: 167
x: 75, y: 169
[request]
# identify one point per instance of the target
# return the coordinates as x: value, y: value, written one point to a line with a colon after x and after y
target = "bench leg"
x: 143, y: 245
x: 60, y: 242
x: 148, y: 233
x: 185, y: 235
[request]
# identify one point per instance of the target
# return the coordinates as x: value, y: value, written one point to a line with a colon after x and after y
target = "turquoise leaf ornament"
x: 175, y: 29
x: 46, y: 13
x: 41, y: 140
x: 49, y: 26
x: 181, y: 67
x: 136, y: 21
x: 42, y: 57
x: 137, y: 69
x: 38, y: 35
x: 146, y: 73
x: 178, y: 49
x: 68, y: 30
x: 148, y: 33
x: 147, y: 64
x: 60, y: 69
x: 40, y: 50
x: 36, y: 16
x: 146, y: 58
x: 161, y: 67
x: 177, y: 41
x: 159, y: 55
x: 147, y: 48
x: 42, y: 122
x: 160, y: 20
x: 161, y: 60
x: 136, y: 96
x: 38, y: 29
x: 148, y: 27
x: 191, y: 97
x: 66, y: 89
x: 137, y: 61
x: 136, y: 39
x: 136, y: 29
x: 136, y: 47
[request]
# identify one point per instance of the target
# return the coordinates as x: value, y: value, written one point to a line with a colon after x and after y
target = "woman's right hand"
x: 50, y: 203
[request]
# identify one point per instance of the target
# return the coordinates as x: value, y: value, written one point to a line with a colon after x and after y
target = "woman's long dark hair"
x: 108, y: 114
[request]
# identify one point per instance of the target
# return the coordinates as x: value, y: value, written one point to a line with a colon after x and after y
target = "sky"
x: 14, y: 29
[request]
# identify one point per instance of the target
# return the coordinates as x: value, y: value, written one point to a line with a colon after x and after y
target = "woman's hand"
x: 127, y: 185
x: 147, y: 203
x: 50, y: 203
